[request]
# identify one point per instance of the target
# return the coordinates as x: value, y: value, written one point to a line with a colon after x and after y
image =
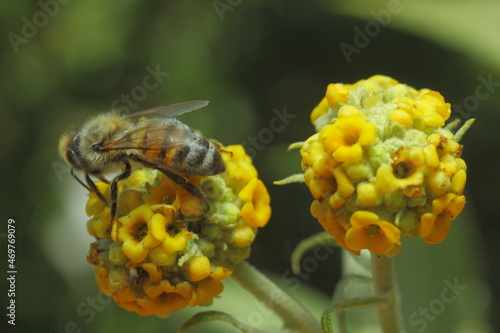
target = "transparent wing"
x: 171, y: 110
x: 155, y: 134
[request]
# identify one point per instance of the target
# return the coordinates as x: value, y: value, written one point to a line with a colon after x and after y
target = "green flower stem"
x: 384, y: 284
x: 282, y: 303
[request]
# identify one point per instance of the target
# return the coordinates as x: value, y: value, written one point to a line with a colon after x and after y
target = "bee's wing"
x: 171, y: 110
x: 155, y: 134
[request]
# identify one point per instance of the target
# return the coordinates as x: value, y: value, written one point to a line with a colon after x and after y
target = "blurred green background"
x: 62, y: 61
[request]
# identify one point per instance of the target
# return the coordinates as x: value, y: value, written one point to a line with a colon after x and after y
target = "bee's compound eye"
x: 70, y: 156
x: 73, y: 154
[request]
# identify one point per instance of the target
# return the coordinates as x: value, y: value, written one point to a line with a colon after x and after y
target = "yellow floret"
x: 367, y: 194
x: 256, y: 210
x: 243, y: 236
x: 198, y: 268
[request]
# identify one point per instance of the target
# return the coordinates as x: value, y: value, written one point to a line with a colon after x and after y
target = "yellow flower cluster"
x: 382, y: 166
x: 166, y: 249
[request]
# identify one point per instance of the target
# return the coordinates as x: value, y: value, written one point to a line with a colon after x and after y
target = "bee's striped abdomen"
x: 198, y: 157
x: 181, y: 149
x: 203, y: 158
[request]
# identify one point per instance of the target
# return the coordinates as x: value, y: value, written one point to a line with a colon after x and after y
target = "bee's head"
x: 69, y: 149
x: 83, y: 148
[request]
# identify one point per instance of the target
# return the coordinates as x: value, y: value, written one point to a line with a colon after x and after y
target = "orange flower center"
x: 403, y: 170
x: 141, y: 231
x: 351, y: 138
x: 372, y: 230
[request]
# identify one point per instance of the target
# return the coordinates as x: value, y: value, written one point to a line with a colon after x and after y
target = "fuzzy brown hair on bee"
x: 109, y: 142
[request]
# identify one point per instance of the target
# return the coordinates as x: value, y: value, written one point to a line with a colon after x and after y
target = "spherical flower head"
x: 383, y: 165
x: 168, y: 249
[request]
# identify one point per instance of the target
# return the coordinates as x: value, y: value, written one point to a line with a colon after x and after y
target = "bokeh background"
x: 62, y: 61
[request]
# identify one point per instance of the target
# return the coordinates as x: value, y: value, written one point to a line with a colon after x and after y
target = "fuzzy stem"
x: 283, y: 304
x: 384, y: 284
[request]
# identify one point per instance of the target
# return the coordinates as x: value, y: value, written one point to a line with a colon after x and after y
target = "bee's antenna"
x: 90, y: 187
x: 81, y: 183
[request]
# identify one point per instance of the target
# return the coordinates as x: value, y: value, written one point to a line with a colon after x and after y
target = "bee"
x: 109, y: 142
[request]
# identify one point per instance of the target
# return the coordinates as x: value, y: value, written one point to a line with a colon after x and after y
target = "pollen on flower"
x: 382, y: 165
x: 165, y: 250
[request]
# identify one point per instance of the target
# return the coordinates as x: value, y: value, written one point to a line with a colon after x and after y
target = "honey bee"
x: 109, y: 142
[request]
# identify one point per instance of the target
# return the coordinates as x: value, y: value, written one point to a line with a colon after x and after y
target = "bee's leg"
x: 93, y: 188
x: 103, y: 179
x: 90, y: 186
x: 219, y: 147
x: 114, y: 188
x: 222, y: 150
x: 177, y: 179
